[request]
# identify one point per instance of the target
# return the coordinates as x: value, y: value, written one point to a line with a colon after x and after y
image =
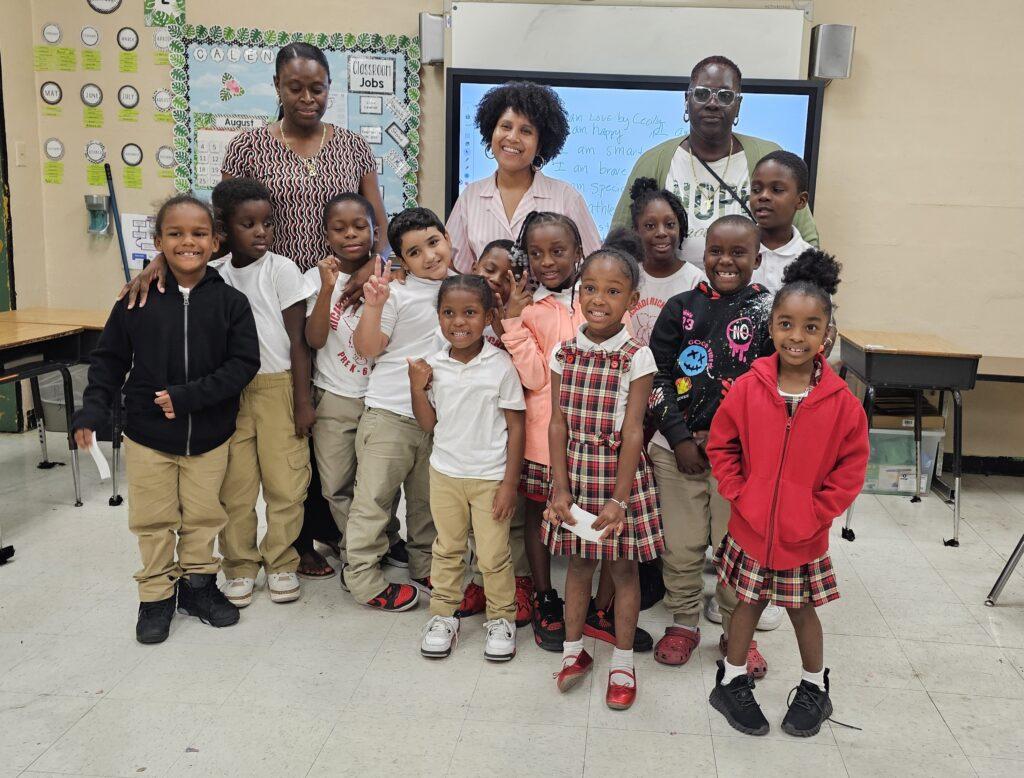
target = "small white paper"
x: 584, y: 526
x: 100, y: 460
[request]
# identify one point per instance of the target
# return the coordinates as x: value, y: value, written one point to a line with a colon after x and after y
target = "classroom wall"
x: 920, y: 156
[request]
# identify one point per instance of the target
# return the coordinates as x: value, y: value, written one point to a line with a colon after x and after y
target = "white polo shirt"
x: 774, y: 263
x: 339, y: 368
x: 642, y: 364
x: 471, y: 436
x: 271, y: 283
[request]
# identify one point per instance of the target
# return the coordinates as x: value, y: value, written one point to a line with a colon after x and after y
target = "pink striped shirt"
x: 479, y: 216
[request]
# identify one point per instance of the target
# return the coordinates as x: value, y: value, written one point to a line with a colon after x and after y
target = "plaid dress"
x: 590, y: 387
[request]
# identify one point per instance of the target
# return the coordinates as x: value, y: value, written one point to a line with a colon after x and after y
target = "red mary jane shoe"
x: 573, y: 673
x: 618, y: 696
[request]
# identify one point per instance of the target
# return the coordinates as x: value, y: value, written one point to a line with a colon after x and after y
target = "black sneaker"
x: 199, y: 596
x: 809, y: 707
x: 154, y: 622
x: 548, y: 620
x: 601, y: 626
x: 397, y: 556
x: 736, y: 702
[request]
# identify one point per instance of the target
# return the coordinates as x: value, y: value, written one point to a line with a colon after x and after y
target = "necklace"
x: 310, y: 162
x: 693, y: 168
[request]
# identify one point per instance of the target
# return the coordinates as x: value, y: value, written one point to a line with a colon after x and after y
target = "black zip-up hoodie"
x: 702, y: 341
x: 214, y: 332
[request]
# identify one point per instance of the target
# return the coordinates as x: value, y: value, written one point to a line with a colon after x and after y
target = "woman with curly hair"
x: 523, y: 126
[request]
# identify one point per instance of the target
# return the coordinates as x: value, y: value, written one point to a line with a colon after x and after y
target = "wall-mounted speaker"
x: 432, y: 38
x: 831, y: 51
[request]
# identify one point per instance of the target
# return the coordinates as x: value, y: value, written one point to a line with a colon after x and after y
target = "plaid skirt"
x: 814, y: 582
x: 592, y: 471
x: 535, y: 481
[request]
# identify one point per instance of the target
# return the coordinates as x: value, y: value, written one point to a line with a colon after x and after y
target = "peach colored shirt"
x: 479, y: 216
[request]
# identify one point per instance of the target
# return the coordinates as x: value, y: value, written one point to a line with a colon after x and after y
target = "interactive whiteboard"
x: 615, y: 119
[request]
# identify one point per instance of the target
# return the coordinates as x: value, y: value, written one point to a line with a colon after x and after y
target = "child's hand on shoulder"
x: 305, y: 418
x: 518, y: 298
x: 689, y: 458
x: 420, y: 374
x: 612, y: 519
x: 163, y: 399
x: 377, y: 289
x: 504, y: 505
x: 329, y: 268
x: 557, y: 511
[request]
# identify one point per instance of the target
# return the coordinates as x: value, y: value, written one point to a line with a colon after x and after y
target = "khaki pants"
x: 458, y: 504
x: 692, y: 511
x: 173, y: 506
x: 391, y: 451
x: 516, y: 541
x: 264, y: 450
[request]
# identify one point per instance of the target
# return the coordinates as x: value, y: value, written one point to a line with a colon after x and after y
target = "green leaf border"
x: 363, y: 43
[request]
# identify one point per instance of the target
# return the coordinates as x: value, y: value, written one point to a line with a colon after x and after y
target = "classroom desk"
x: 77, y: 317
x: 917, y: 362
x: 59, y: 345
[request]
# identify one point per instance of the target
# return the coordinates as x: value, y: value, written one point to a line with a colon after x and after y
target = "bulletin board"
x: 222, y: 84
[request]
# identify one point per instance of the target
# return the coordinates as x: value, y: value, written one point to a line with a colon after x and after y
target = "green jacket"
x: 654, y: 163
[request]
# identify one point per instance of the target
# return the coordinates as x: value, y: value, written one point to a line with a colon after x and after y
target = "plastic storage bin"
x: 891, y: 464
x: 51, y: 391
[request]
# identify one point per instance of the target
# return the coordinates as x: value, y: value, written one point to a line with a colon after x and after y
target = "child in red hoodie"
x: 789, y: 448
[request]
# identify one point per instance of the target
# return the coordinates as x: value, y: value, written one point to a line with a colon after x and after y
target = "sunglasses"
x: 725, y: 97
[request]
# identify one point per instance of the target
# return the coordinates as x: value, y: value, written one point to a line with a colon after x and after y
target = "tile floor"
x: 324, y: 687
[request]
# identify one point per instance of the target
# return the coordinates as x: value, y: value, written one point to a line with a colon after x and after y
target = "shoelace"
x: 804, y: 699
x: 744, y: 695
x: 498, y: 624
x: 438, y: 626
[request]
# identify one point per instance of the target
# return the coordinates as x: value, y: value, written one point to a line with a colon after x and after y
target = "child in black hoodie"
x: 188, y: 355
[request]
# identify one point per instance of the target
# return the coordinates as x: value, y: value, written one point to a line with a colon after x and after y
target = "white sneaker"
x: 500, y: 645
x: 771, y: 616
x: 284, y: 587
x: 238, y: 591
x: 439, y: 636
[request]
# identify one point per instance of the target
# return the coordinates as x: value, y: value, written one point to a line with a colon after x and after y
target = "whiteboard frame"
x: 455, y: 77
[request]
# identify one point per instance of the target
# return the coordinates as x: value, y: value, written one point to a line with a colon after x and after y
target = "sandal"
x: 676, y: 646
x: 757, y: 665
x: 315, y: 571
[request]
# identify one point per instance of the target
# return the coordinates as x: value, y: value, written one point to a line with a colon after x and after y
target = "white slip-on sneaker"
x: 284, y: 587
x: 711, y: 611
x: 500, y: 645
x: 238, y: 591
x: 439, y: 636
x: 771, y: 616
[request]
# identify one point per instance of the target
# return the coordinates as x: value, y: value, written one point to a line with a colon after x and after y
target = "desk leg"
x: 69, y: 410
x: 115, y: 442
x: 37, y: 403
x: 1004, y: 576
x: 869, y: 406
x: 917, y: 446
x: 958, y: 414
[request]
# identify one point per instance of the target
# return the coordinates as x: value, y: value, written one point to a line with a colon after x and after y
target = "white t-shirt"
x: 272, y: 283
x: 409, y: 319
x: 471, y: 436
x: 773, y: 263
x: 706, y: 206
x: 642, y: 364
x: 654, y: 293
x: 338, y: 367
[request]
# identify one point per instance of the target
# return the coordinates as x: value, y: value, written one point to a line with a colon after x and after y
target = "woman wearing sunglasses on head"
x: 710, y: 168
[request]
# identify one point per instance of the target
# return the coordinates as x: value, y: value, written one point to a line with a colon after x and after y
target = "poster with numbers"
x: 222, y: 79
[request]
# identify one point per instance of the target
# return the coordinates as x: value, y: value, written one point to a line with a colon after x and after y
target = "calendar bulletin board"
x: 222, y: 84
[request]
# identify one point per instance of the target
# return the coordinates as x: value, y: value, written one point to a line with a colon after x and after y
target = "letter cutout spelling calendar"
x: 222, y: 81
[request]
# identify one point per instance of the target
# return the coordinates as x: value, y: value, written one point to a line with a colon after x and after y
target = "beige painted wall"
x: 918, y: 183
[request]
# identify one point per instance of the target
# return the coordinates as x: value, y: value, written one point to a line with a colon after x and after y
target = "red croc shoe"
x: 524, y: 600
x: 676, y: 646
x: 620, y: 696
x: 757, y: 665
x: 572, y: 673
x: 473, y: 601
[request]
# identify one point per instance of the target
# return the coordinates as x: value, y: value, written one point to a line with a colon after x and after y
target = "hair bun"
x: 625, y: 239
x: 642, y: 185
x: 816, y: 267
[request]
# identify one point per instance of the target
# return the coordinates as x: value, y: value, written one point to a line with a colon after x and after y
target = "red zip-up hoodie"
x: 787, y: 477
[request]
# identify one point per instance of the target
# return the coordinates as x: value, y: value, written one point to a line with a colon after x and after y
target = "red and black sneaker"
x: 423, y: 584
x: 548, y: 620
x: 397, y: 597
x: 524, y: 600
x: 473, y: 601
x: 600, y: 624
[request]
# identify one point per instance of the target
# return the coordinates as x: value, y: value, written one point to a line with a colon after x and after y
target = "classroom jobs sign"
x: 371, y: 75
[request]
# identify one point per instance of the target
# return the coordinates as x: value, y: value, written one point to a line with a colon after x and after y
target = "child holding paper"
x: 600, y: 382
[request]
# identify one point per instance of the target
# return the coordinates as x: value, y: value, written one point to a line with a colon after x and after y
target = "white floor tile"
x: 756, y: 757
x: 956, y: 669
x: 867, y: 762
x: 933, y: 622
x: 982, y: 726
x: 31, y: 723
x: 77, y: 665
x: 612, y: 753
x: 485, y: 747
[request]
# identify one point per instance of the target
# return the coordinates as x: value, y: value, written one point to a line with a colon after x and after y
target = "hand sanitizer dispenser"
x: 98, y: 207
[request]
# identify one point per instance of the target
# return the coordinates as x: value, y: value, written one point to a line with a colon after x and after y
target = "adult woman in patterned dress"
x: 304, y: 161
